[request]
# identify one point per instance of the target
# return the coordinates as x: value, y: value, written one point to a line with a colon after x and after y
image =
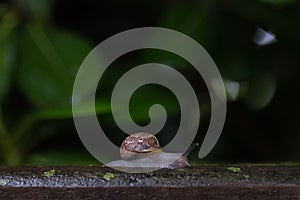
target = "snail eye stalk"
x: 190, y: 149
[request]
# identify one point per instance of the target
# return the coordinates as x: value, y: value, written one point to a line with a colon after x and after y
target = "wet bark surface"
x: 207, y: 181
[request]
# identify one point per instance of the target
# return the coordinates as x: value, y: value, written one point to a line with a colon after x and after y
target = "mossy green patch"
x: 234, y: 169
x: 49, y: 173
x: 246, y: 176
x: 108, y: 176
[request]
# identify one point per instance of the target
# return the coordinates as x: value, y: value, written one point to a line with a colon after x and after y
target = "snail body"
x: 142, y: 150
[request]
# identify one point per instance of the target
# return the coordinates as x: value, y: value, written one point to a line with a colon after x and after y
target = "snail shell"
x: 142, y: 150
x: 139, y: 143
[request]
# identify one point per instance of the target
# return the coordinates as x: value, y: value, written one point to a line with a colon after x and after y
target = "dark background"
x: 42, y: 44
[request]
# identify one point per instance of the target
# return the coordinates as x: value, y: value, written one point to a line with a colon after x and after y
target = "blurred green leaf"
x: 7, y: 53
x: 108, y: 176
x: 49, y: 173
x: 234, y: 169
x: 55, y: 113
x: 3, y: 9
x: 37, y: 9
x: 261, y: 90
x: 49, y: 60
x: 193, y: 19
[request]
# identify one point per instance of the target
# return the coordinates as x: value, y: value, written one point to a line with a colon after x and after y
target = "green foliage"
x: 7, y: 51
x: 37, y: 10
x: 41, y: 50
x: 260, y: 91
x: 49, y: 173
x: 234, y: 169
x: 49, y: 60
x: 42, y: 61
x: 108, y: 176
x: 246, y: 176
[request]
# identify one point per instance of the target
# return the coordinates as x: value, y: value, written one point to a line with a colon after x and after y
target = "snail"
x: 142, y: 150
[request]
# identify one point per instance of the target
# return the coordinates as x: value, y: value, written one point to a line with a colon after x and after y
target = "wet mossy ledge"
x: 207, y: 181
